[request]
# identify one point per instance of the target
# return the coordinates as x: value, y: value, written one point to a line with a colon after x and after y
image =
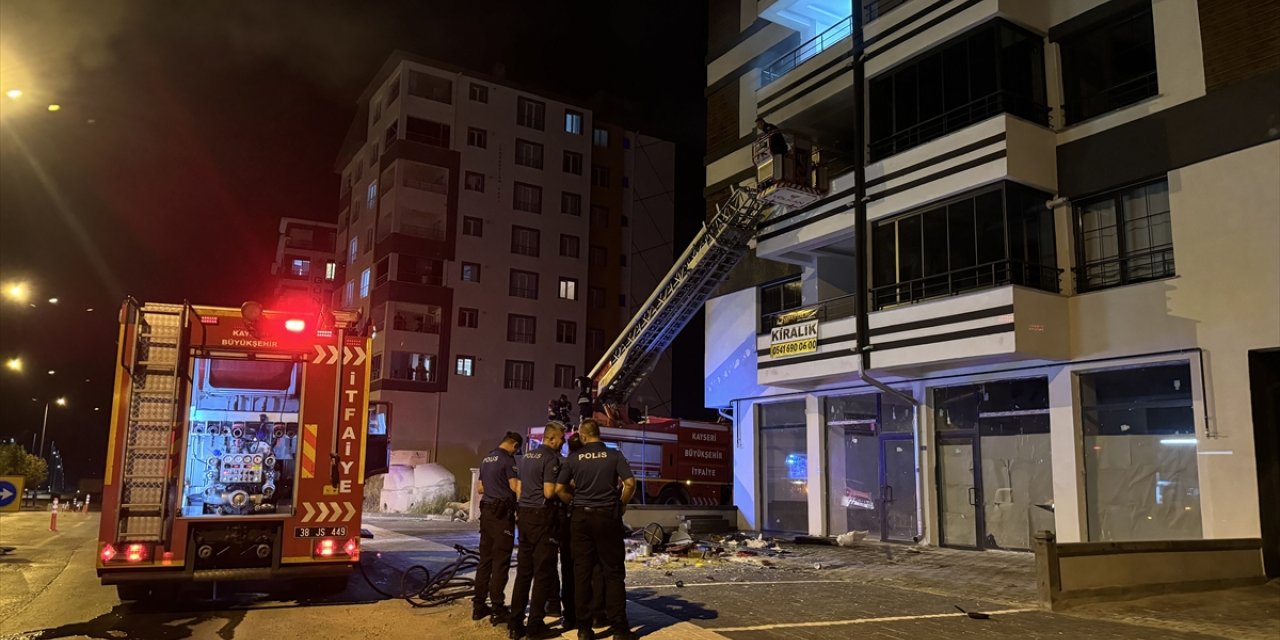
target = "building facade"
x: 1040, y: 308
x: 470, y: 215
x: 304, y: 267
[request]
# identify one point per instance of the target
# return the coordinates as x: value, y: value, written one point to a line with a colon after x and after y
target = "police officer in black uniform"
x: 498, y: 484
x: 590, y: 478
x: 536, y: 515
x: 567, y: 595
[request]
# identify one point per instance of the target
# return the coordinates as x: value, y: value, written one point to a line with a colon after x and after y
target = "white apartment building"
x: 304, y: 266
x: 1052, y: 303
x: 467, y: 214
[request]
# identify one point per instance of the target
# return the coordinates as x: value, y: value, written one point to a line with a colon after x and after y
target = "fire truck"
x: 237, y: 447
x: 682, y: 461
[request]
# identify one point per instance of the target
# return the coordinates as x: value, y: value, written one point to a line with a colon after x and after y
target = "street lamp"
x: 13, y: 364
x: 17, y: 291
x: 61, y: 402
x: 14, y: 94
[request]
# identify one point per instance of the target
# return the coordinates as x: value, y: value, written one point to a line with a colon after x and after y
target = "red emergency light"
x: 326, y: 548
x: 296, y: 325
x: 352, y: 548
x: 135, y: 553
x: 108, y: 553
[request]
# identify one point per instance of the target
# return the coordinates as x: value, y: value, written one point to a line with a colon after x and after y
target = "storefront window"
x: 1141, y: 481
x: 871, y: 466
x: 785, y: 467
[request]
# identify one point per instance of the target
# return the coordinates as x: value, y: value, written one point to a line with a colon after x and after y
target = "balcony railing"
x: 983, y: 276
x: 1111, y: 98
x: 434, y: 232
x: 424, y: 377
x: 1152, y: 264
x: 519, y: 383
x: 792, y: 59
x: 415, y: 322
x: 873, y: 9
x: 827, y: 310
x: 958, y: 118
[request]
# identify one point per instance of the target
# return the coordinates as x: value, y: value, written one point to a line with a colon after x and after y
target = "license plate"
x: 319, y: 532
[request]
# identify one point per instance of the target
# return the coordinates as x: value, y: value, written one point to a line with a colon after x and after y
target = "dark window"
x: 599, y: 175
x: 477, y: 137
x: 595, y: 339
x: 427, y: 86
x: 468, y: 317
x: 994, y: 68
x: 573, y: 163
x: 523, y: 329
x: 479, y: 93
x: 518, y: 375
x: 599, y: 216
x: 523, y: 284
x: 525, y: 241
x: 570, y: 203
x: 527, y: 197
x: 564, y: 376
x: 528, y: 154
x: 777, y: 298
x: 598, y: 256
x: 472, y: 226
x: 531, y: 113
x: 569, y: 246
x: 421, y: 270
x: 566, y: 332
x: 595, y: 297
x: 426, y: 132
x: 473, y: 181
x: 1108, y: 66
x: 1000, y: 235
x: 1124, y: 237
x: 600, y: 137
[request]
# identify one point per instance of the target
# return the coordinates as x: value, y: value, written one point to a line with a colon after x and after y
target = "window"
x: 518, y: 375
x: 413, y: 367
x: 994, y: 68
x: 1109, y: 65
x: 527, y: 197
x: 468, y: 317
x: 1124, y: 237
x: 853, y: 464
x: 525, y: 241
x: 595, y: 297
x: 470, y: 272
x: 368, y: 239
x: 573, y: 163
x: 425, y: 271
x: 472, y: 226
x: 528, y: 154
x: 564, y: 376
x: 330, y: 270
x: 600, y: 137
x: 569, y: 246
x: 784, y: 466
x: 566, y: 332
x: 599, y: 175
x: 477, y: 137
x: 425, y: 85
x: 373, y: 155
x: 466, y: 366
x: 531, y: 113
x: 595, y: 339
x: 1140, y: 446
x: 599, y: 216
x: 425, y: 177
x: 473, y: 181
x: 523, y: 284
x: 570, y: 203
x: 353, y: 250
x: 479, y: 93
x: 349, y: 294
x: 417, y: 318
x: 393, y: 131
x: 776, y: 299
x: 572, y: 122
x: 426, y: 132
x: 522, y: 329
x: 300, y: 267
x: 371, y: 196
x: 375, y: 366
x: 598, y: 256
x: 990, y: 237
x: 568, y: 288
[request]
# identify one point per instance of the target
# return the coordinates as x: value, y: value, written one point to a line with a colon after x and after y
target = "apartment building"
x: 304, y: 267
x: 1041, y: 289
x: 469, y: 219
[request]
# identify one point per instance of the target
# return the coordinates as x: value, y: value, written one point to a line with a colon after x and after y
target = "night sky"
x: 187, y: 129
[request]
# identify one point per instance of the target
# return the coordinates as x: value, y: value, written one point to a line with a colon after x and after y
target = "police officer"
x: 497, y: 489
x: 536, y: 515
x: 589, y: 478
x: 570, y: 615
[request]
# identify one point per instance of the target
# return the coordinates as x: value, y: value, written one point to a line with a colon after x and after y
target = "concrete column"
x: 746, y: 465
x: 815, y: 442
x: 926, y: 457
x: 1066, y: 443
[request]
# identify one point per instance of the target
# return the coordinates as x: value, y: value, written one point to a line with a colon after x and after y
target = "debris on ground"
x: 975, y: 615
x: 851, y: 538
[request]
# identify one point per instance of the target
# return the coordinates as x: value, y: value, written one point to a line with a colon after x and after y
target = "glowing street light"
x: 55, y: 107
x: 61, y: 402
x: 14, y: 94
x: 13, y: 364
x: 17, y: 291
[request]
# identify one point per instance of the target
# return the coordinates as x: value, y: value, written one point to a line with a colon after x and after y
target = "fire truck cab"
x: 236, y: 448
x: 677, y: 462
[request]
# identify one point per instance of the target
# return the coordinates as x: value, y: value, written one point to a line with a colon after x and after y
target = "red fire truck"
x: 237, y: 447
x: 674, y: 461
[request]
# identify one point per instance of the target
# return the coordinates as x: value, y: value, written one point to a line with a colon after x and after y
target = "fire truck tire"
x: 133, y: 591
x: 672, y: 494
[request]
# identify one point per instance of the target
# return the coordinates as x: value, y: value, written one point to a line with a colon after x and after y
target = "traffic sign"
x: 11, y: 492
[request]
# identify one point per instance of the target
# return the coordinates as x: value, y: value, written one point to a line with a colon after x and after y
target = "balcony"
x: 808, y: 90
x: 959, y: 118
x: 873, y: 9
x: 808, y: 346
x: 983, y: 276
x: 792, y: 59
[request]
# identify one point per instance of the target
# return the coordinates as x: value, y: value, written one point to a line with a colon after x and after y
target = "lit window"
x: 372, y: 200
x: 300, y: 267
x: 572, y: 122
x: 330, y: 270
x: 364, y: 284
x: 353, y: 251
x: 568, y: 288
x: 349, y: 294
x: 470, y: 272
x: 466, y: 366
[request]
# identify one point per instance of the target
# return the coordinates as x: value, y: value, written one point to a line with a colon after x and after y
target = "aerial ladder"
x: 783, y: 180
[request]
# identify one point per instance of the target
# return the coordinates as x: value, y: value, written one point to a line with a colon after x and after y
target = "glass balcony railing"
x: 823, y: 41
x: 983, y: 276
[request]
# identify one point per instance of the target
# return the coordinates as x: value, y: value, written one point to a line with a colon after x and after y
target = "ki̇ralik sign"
x: 796, y: 333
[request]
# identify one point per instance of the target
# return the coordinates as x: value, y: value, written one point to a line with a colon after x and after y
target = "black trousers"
x: 567, y: 591
x: 596, y: 536
x: 535, y: 563
x: 497, y: 538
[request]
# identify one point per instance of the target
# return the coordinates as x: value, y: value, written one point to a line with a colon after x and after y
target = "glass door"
x: 898, y: 487
x: 958, y: 492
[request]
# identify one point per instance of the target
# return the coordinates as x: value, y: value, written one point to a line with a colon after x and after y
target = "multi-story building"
x: 305, y: 268
x: 1033, y: 294
x: 470, y: 215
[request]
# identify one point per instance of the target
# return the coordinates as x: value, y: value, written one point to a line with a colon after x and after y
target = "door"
x: 898, y: 487
x: 959, y: 491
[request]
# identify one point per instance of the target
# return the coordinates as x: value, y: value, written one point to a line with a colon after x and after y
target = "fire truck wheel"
x: 133, y: 591
x: 673, y: 495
